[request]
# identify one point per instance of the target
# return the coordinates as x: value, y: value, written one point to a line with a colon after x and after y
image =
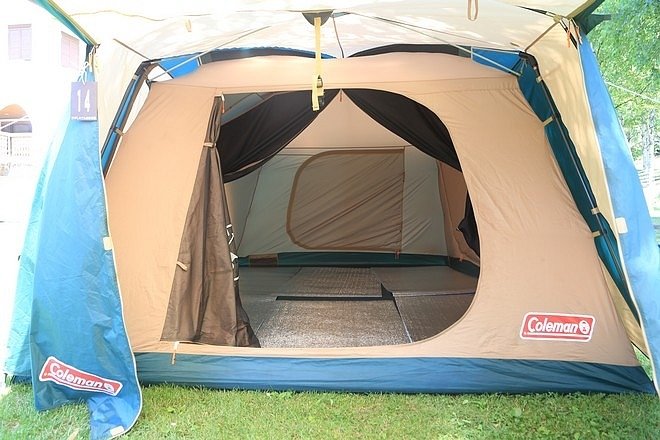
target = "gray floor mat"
x: 427, y: 315
x: 332, y: 281
x: 264, y: 280
x: 427, y: 280
x: 320, y: 323
x: 258, y: 308
x: 259, y: 287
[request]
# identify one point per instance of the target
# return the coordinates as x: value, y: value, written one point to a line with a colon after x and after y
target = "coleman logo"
x: 68, y: 376
x: 557, y: 327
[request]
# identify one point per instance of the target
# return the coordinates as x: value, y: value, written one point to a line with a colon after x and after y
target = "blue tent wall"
x: 68, y: 296
x: 640, y: 250
x: 17, y: 364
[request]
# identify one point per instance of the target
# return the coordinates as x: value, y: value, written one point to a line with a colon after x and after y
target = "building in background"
x: 38, y: 60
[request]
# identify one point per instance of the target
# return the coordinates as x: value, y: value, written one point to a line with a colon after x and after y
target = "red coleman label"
x: 71, y: 377
x: 557, y: 327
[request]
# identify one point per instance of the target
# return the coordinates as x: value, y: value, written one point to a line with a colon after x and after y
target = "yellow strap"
x: 470, y: 15
x: 317, y: 36
x: 317, y: 82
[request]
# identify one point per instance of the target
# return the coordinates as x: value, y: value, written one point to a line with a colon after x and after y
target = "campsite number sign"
x: 83, y: 101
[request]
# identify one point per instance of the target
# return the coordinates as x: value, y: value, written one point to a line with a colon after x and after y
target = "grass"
x: 172, y: 412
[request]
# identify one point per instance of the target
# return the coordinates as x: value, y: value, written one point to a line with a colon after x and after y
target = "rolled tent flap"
x: 247, y: 142
x: 409, y: 120
x: 204, y: 303
x: 88, y: 358
x: 468, y: 226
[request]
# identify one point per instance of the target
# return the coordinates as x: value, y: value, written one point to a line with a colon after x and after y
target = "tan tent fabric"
x: 529, y: 233
x: 567, y: 87
x: 348, y: 201
x: 357, y: 129
x: 283, y: 73
x: 453, y: 194
x: 630, y: 323
x: 149, y: 187
x: 537, y: 254
x: 423, y: 220
x: 204, y: 304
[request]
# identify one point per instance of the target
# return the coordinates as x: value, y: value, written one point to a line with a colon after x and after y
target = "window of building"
x: 20, y: 42
x: 69, y: 51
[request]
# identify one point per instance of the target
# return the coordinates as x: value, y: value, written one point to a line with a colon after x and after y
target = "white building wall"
x: 41, y: 85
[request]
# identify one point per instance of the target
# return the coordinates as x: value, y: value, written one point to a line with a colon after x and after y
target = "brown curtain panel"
x: 204, y: 305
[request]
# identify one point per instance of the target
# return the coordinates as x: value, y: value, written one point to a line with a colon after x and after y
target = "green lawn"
x: 174, y: 412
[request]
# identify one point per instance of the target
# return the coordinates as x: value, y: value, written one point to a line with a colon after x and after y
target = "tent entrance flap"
x: 204, y: 302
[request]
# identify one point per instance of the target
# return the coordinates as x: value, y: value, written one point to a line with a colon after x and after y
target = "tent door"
x: 204, y: 304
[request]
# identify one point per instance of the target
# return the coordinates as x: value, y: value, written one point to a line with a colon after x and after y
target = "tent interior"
x: 342, y: 237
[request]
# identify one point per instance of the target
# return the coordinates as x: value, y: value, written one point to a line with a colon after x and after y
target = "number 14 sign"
x: 83, y: 101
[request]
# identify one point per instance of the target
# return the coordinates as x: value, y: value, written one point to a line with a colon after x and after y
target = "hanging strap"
x: 470, y: 15
x: 317, y: 81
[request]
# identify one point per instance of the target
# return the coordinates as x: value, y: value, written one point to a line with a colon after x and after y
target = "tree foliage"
x: 628, y: 50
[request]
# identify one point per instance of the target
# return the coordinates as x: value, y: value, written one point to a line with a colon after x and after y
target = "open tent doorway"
x: 341, y: 224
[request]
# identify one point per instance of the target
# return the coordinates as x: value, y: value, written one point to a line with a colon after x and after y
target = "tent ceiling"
x: 160, y: 29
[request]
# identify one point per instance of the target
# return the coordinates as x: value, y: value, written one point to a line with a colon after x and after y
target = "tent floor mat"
x: 258, y: 308
x: 305, y: 307
x: 264, y: 280
x: 428, y: 280
x: 332, y: 324
x: 427, y: 315
x: 332, y: 282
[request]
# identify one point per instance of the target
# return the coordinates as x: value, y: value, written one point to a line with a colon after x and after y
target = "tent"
x: 397, y: 197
